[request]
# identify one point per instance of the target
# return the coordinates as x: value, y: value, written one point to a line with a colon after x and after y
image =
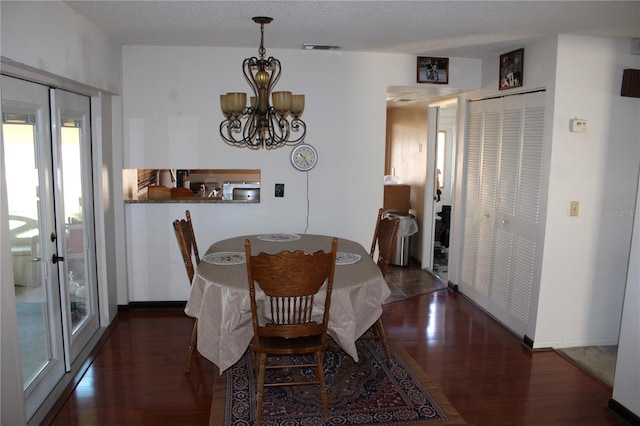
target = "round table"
x: 219, y: 296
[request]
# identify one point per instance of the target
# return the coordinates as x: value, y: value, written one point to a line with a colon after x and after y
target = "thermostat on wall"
x: 579, y: 125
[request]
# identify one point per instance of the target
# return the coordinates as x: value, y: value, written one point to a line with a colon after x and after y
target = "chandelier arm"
x: 281, y: 128
x: 225, y: 126
x: 298, y: 125
x: 230, y: 126
x: 247, y: 64
x: 276, y: 70
x: 250, y: 134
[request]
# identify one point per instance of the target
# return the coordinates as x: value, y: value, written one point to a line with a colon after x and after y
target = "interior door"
x: 30, y: 202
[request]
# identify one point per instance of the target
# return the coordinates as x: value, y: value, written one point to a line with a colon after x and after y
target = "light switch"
x: 575, y: 206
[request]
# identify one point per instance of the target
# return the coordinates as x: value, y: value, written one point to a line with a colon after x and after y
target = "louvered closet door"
x: 503, y: 191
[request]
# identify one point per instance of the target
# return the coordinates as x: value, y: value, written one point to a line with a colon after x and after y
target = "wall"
x: 79, y: 51
x: 585, y: 257
x: 172, y: 117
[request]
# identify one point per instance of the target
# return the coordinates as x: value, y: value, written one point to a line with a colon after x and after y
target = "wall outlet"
x: 579, y: 125
x: 279, y: 189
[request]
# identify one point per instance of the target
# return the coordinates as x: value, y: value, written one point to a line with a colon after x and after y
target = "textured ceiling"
x: 474, y: 29
x: 448, y: 28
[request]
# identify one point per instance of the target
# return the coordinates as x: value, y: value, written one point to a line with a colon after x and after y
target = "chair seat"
x: 294, y: 346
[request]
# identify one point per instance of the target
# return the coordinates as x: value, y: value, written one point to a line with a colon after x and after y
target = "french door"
x: 47, y: 152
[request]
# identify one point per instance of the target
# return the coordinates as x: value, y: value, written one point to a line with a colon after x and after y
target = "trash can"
x: 407, y: 227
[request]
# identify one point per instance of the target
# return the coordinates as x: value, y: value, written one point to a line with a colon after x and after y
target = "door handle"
x: 55, y: 258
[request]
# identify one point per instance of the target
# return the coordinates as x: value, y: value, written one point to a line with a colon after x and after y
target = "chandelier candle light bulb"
x: 262, y: 124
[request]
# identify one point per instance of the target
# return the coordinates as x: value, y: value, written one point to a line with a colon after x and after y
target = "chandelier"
x: 262, y: 124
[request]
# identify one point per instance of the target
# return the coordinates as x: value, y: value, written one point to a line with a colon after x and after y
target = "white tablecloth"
x: 219, y: 297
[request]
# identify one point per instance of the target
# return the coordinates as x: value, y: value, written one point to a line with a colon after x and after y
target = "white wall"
x: 51, y: 37
x: 585, y: 257
x: 171, y: 120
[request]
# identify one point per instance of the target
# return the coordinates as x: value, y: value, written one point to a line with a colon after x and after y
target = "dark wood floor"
x: 490, y: 378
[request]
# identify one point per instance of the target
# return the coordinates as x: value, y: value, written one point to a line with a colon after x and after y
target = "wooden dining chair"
x: 290, y: 281
x: 384, y: 239
x: 190, y: 256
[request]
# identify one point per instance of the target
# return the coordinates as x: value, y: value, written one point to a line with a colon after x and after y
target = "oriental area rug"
x: 369, y: 392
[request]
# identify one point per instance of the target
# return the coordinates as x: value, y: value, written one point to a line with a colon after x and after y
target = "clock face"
x: 304, y: 157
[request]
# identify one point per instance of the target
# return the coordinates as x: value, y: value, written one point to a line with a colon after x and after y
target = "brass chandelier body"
x: 262, y: 124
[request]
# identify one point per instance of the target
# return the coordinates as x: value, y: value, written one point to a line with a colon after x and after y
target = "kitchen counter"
x: 194, y: 200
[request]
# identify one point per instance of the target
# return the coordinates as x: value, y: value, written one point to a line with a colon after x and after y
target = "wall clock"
x: 304, y: 157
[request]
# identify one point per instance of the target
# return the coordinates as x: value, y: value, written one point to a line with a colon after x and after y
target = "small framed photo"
x: 511, y: 66
x: 433, y: 70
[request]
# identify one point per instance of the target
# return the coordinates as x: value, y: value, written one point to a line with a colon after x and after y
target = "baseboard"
x: 623, y: 413
x: 137, y: 306
x: 527, y: 341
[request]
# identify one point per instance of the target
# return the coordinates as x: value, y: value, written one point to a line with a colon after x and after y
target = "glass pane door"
x: 46, y: 138
x: 74, y: 201
x: 28, y: 171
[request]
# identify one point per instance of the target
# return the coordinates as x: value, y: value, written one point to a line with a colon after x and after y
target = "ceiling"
x: 472, y: 29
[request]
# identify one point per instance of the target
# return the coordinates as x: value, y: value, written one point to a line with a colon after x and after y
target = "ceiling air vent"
x: 308, y: 46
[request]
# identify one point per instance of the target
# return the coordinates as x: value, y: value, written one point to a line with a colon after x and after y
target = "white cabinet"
x: 503, y: 194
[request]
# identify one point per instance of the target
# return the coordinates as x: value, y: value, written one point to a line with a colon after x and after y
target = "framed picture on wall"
x: 511, y: 66
x: 432, y: 70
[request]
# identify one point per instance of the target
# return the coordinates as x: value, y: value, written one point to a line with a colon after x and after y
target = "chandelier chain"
x: 262, y: 51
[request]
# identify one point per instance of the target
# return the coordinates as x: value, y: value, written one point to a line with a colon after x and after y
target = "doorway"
x: 46, y: 139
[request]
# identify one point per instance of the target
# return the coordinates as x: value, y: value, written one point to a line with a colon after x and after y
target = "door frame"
x: 428, y: 225
x: 105, y: 110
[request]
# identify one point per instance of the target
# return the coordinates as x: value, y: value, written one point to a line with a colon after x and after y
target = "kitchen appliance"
x: 241, y: 191
x: 247, y: 194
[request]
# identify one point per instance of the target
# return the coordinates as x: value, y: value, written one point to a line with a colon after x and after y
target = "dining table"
x: 219, y: 296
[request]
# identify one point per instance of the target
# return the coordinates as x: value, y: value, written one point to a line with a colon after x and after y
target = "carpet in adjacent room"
x: 598, y: 361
